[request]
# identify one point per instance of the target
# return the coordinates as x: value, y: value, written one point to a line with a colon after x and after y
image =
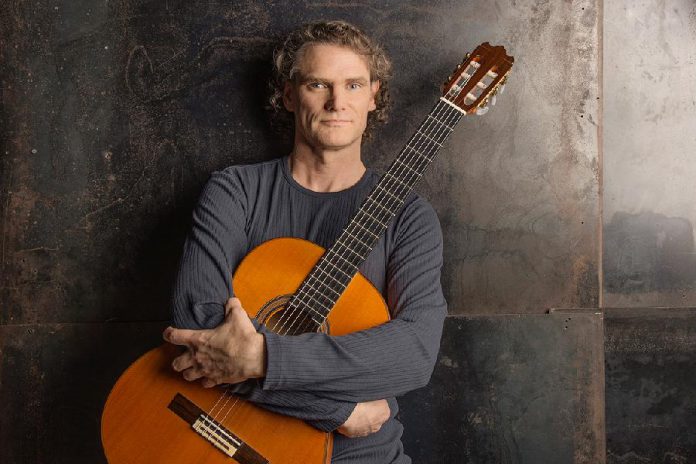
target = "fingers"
x: 367, y: 418
x: 188, y: 366
x: 192, y: 370
x: 209, y: 383
x: 192, y: 374
x: 182, y: 337
x: 183, y: 362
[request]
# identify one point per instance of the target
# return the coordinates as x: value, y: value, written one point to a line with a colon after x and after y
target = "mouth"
x: 336, y: 122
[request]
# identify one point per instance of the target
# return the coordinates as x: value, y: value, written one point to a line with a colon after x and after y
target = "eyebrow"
x: 306, y: 79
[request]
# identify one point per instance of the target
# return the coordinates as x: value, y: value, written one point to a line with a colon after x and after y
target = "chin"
x: 336, y: 144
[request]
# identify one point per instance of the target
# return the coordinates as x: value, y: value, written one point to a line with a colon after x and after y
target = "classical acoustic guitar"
x: 292, y: 286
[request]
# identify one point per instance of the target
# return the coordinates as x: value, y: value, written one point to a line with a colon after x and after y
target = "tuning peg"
x: 481, y: 110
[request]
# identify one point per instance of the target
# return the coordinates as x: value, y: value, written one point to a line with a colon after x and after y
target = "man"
x: 332, y: 79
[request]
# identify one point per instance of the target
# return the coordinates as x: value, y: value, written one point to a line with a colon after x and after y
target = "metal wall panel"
x: 649, y: 141
x: 650, y: 394
x: 54, y: 381
x: 525, y: 389
x: 115, y: 113
x: 506, y: 389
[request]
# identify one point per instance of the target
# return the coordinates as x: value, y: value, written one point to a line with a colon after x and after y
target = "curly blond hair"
x: 342, y: 33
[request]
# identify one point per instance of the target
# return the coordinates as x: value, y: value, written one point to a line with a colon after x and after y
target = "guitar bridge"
x: 214, y: 432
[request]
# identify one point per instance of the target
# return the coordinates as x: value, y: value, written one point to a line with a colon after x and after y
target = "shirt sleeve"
x: 384, y: 361
x: 324, y: 414
x: 214, y: 247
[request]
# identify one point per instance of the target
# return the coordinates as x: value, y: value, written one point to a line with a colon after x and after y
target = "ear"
x: 289, y: 96
x: 374, y: 87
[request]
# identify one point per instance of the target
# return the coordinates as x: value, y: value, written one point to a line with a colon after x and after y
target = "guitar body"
x: 139, y: 423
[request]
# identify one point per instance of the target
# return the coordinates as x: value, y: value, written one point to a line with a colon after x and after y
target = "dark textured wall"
x: 650, y: 400
x: 114, y: 114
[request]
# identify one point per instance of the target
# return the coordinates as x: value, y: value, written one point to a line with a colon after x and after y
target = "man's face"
x: 331, y: 96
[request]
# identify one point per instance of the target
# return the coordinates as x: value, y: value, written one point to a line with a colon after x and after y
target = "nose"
x: 337, y: 100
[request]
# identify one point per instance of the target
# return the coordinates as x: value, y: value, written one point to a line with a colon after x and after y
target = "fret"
x: 323, y: 285
x: 374, y: 218
x: 326, y: 273
x: 340, y: 243
x: 327, y: 308
x: 382, y: 207
x: 362, y: 248
x: 342, y: 258
x: 339, y: 269
x: 429, y: 138
x: 380, y: 186
x: 396, y: 179
x: 407, y: 166
x: 365, y: 229
x: 356, y: 238
x: 440, y: 122
x: 420, y: 154
x: 427, y: 158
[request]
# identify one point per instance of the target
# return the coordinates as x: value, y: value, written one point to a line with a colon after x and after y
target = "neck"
x: 322, y: 170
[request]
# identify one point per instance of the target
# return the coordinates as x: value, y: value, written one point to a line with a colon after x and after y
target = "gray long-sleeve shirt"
x: 318, y: 377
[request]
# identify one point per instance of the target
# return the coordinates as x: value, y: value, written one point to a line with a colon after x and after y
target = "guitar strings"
x: 410, y: 182
x: 302, y: 297
x: 444, y: 125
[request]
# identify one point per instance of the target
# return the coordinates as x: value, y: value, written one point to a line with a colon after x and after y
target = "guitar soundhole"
x: 294, y: 321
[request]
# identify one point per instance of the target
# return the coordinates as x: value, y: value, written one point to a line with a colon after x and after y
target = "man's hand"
x: 230, y: 353
x: 366, y: 418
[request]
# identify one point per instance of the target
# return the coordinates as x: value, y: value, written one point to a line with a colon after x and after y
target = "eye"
x: 355, y: 86
x: 317, y: 85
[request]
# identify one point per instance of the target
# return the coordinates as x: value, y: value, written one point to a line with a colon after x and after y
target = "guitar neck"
x: 336, y: 268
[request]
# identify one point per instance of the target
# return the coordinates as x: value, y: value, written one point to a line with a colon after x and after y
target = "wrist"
x: 258, y: 356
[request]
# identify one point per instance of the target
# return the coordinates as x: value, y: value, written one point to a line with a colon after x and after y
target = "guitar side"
x: 139, y: 424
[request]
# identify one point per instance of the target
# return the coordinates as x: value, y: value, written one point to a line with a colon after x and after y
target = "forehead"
x: 331, y: 61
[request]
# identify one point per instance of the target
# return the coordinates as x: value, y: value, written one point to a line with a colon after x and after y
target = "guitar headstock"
x: 476, y: 81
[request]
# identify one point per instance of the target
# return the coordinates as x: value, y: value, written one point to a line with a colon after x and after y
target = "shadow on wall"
x: 647, y: 252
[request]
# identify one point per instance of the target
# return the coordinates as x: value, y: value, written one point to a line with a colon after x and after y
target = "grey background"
x: 573, y: 192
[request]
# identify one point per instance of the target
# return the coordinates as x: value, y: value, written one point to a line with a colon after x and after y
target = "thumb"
x: 231, y: 303
x: 239, y: 318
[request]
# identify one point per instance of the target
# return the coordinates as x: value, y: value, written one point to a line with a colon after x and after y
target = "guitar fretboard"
x: 339, y: 264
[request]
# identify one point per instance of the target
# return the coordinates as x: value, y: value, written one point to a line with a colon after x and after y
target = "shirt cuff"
x: 274, y: 360
x: 331, y: 423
